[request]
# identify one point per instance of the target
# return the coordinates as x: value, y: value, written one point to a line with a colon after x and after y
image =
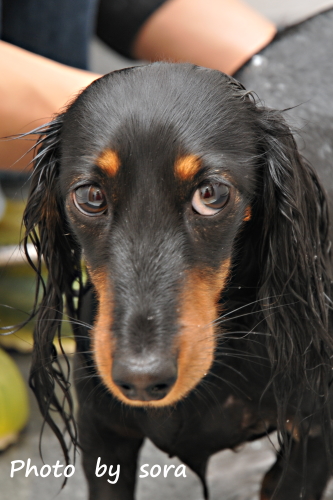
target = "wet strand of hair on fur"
x: 40, y: 132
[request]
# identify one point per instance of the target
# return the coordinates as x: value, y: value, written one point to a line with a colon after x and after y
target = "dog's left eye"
x: 210, y: 198
x: 90, y: 200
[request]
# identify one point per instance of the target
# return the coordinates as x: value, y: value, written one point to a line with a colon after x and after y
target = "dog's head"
x: 165, y: 179
x: 157, y: 181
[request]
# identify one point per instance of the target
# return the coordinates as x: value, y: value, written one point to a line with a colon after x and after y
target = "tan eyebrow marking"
x: 187, y: 166
x: 109, y: 161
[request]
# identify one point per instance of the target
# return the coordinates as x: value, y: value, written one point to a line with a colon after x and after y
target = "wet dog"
x: 204, y: 319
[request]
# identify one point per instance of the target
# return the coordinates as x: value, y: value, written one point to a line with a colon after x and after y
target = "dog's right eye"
x: 90, y: 200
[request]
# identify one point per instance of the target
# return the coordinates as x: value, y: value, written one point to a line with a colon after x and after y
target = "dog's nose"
x: 144, y: 378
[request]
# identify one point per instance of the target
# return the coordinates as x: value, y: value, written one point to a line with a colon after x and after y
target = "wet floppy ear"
x: 295, y: 264
x: 45, y: 225
x: 44, y: 217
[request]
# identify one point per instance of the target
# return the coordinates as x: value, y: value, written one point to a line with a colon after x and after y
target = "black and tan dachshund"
x: 205, y: 236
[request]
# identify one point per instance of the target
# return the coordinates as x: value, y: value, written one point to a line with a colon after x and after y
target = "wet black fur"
x: 273, y: 361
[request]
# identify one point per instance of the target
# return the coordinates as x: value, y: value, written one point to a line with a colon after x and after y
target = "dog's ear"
x: 45, y: 225
x: 295, y: 263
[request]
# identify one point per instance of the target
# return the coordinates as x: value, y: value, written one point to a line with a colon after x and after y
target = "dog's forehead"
x: 179, y: 99
x: 163, y: 111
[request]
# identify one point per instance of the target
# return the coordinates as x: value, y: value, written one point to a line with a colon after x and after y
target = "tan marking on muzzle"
x: 195, y: 343
x: 102, y: 340
x: 103, y: 343
x: 186, y: 167
x: 197, y: 338
x: 108, y: 161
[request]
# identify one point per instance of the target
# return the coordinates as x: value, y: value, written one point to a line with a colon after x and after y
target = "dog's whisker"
x: 234, y: 350
x: 232, y: 368
x: 221, y: 319
x: 230, y: 384
x: 257, y: 301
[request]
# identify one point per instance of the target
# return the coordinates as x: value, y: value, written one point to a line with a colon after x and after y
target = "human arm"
x: 219, y: 34
x: 32, y: 89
